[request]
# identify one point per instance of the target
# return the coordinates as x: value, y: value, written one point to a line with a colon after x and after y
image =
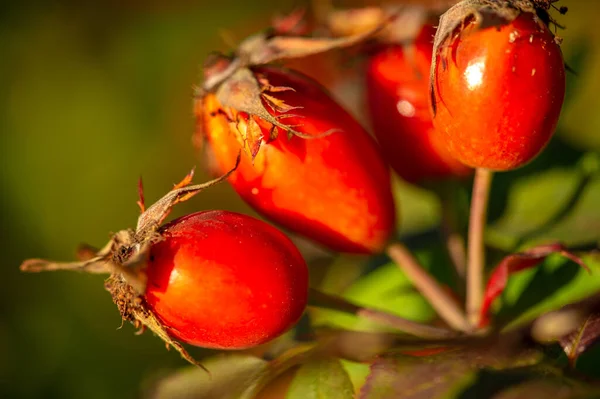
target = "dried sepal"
x: 133, y: 307
x: 271, y: 46
x: 404, y: 20
x: 141, y: 201
x: 247, y: 93
x: 149, y: 221
x: 261, y: 49
x: 90, y: 262
x: 580, y: 340
x: 217, y: 69
x: 248, y: 134
x: 278, y: 105
x: 243, y: 93
x: 125, y: 258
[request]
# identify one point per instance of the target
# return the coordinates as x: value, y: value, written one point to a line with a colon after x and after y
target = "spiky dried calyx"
x: 238, y: 89
x: 124, y: 257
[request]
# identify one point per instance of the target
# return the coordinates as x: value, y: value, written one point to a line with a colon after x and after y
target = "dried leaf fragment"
x: 579, y: 341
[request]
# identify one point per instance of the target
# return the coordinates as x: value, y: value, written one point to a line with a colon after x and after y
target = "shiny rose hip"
x: 397, y: 82
x: 225, y: 280
x: 498, y: 92
x: 330, y: 185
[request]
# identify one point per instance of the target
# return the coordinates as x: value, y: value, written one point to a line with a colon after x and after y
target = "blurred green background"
x: 95, y: 94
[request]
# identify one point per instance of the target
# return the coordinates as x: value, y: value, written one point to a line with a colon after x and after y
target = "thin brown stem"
x: 328, y: 301
x: 476, y: 249
x: 444, y: 304
x: 94, y: 265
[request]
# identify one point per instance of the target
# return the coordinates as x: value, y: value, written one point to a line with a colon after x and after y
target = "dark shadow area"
x: 490, y: 383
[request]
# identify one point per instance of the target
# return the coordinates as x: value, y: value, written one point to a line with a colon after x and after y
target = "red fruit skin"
x: 499, y: 92
x: 397, y: 81
x: 334, y: 189
x: 226, y: 281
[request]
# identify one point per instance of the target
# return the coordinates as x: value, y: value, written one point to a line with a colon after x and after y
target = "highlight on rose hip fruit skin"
x: 326, y: 179
x: 498, y: 92
x: 226, y: 281
x: 397, y: 83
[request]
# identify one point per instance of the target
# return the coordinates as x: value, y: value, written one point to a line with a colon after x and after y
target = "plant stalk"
x: 476, y: 247
x: 323, y: 300
x: 444, y: 304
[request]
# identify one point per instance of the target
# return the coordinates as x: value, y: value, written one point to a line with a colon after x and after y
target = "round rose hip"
x: 398, y: 101
x: 498, y: 92
x: 224, y: 280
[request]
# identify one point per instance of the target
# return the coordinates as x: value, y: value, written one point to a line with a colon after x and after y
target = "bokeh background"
x: 95, y: 94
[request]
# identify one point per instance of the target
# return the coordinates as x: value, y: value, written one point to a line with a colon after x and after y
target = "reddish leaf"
x: 517, y: 262
x: 583, y: 338
x: 437, y: 375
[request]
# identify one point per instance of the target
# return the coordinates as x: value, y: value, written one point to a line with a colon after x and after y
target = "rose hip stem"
x: 323, y: 300
x: 476, y: 248
x: 444, y: 304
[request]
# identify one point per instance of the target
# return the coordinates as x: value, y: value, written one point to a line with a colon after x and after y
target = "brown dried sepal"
x: 583, y: 338
x: 244, y: 98
x: 484, y: 14
x: 271, y: 46
x: 124, y: 257
x: 404, y: 20
x: 242, y: 92
x: 133, y: 308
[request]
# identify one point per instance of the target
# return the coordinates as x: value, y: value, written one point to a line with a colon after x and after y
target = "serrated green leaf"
x: 321, y: 379
x: 231, y: 377
x: 556, y: 283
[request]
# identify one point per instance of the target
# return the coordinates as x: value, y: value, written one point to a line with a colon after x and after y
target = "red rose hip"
x: 398, y: 101
x: 224, y: 280
x: 333, y: 188
x: 498, y: 92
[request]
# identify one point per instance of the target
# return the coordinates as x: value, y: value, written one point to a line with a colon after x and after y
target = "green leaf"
x: 231, y: 377
x: 429, y: 377
x: 418, y: 209
x: 556, y: 283
x: 386, y: 288
x: 357, y: 372
x: 321, y: 379
x: 556, y: 204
